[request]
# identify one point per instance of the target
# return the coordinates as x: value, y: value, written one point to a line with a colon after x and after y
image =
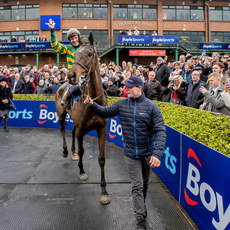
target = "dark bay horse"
x: 85, y: 74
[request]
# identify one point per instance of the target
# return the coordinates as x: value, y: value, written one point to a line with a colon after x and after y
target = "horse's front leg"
x: 105, y: 199
x: 74, y: 154
x: 83, y: 176
x: 62, y: 123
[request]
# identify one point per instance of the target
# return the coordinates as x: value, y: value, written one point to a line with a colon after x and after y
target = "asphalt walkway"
x: 40, y: 190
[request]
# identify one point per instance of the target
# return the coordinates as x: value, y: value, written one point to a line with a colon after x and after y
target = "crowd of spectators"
x: 200, y: 82
x: 29, y: 80
x: 27, y: 39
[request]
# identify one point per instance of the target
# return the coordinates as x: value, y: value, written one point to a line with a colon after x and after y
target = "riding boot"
x: 64, y: 100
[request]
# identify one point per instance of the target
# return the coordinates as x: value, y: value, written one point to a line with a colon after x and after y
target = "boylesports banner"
x: 27, y: 45
x: 196, y: 175
x: 214, y: 46
x: 147, y: 39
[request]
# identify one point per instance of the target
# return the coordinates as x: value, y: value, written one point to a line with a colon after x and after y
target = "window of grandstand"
x: 220, y: 36
x: 184, y: 13
x: 219, y: 13
x: 122, y: 11
x: 19, y: 35
x: 19, y: 12
x: 74, y: 11
x: 188, y: 36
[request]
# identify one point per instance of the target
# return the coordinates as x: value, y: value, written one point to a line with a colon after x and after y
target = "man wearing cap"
x: 74, y: 38
x: 162, y: 72
x: 141, y: 122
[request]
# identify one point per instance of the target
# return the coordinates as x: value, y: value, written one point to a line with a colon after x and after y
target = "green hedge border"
x: 205, y: 127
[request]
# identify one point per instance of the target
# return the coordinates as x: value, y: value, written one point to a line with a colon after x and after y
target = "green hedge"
x: 203, y: 126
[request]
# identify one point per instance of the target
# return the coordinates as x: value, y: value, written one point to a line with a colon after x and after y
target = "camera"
x: 173, y: 82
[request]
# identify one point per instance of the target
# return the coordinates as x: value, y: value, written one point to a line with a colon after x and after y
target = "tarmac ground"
x: 40, y: 190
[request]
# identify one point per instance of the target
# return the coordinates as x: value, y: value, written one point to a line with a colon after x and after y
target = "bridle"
x: 86, y: 77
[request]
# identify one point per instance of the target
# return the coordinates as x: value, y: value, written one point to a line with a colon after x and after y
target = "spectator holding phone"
x: 213, y: 97
x: 175, y: 92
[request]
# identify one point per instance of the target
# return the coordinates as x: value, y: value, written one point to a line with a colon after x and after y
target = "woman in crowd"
x: 187, y: 73
x: 177, y: 70
x: 175, y: 92
x: 218, y: 67
x: 5, y: 98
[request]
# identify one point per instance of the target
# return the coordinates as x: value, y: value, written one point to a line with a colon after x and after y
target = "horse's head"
x: 84, y: 62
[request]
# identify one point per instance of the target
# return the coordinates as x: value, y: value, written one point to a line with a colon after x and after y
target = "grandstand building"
x: 193, y: 22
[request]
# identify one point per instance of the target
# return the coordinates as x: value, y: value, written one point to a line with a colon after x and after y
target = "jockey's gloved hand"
x: 74, y: 90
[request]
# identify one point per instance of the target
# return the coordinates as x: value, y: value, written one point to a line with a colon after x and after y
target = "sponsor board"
x: 214, y: 46
x: 133, y: 52
x: 196, y: 175
x: 148, y: 39
x: 45, y: 19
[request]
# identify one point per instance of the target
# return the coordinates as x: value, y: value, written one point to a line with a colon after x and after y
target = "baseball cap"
x: 134, y: 81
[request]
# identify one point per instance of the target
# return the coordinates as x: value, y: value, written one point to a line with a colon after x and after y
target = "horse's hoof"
x: 105, y: 199
x: 75, y: 157
x: 83, y: 177
x: 65, y: 155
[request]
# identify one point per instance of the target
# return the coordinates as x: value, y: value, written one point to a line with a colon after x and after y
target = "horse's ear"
x: 79, y: 39
x: 91, y: 39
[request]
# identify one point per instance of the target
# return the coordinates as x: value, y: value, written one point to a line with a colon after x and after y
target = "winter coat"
x: 28, y: 88
x: 41, y: 89
x: 215, y: 103
x: 194, y: 97
x: 153, y: 91
x: 181, y: 93
x: 5, y: 93
x: 162, y: 74
x: 141, y: 121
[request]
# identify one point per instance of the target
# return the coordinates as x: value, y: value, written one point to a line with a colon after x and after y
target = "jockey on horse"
x: 73, y: 36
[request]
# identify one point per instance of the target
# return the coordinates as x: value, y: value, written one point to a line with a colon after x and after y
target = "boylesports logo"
x: 115, y: 128
x: 202, y: 195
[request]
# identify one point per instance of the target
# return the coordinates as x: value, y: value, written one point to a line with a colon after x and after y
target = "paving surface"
x: 40, y: 190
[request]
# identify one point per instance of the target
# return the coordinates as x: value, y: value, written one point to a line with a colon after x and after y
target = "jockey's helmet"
x: 72, y: 32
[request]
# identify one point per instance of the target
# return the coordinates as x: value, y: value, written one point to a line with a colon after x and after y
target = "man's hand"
x: 51, y: 24
x: 203, y: 90
x: 226, y: 87
x: 154, y: 162
x: 202, y: 107
x: 88, y: 101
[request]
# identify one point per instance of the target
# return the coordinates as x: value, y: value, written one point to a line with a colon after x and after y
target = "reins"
x: 87, y: 77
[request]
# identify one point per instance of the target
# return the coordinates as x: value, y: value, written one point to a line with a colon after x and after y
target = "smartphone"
x: 204, y: 51
x: 228, y: 82
x: 201, y: 85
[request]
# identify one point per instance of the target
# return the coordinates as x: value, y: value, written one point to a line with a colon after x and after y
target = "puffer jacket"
x: 141, y: 120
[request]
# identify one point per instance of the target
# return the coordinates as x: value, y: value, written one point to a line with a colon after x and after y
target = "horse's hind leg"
x: 62, y: 123
x: 105, y: 199
x: 83, y: 176
x: 74, y: 155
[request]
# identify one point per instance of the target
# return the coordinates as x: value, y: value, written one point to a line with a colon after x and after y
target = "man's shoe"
x: 141, y: 223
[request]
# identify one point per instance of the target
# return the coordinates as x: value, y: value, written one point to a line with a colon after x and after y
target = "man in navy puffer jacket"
x: 144, y: 136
